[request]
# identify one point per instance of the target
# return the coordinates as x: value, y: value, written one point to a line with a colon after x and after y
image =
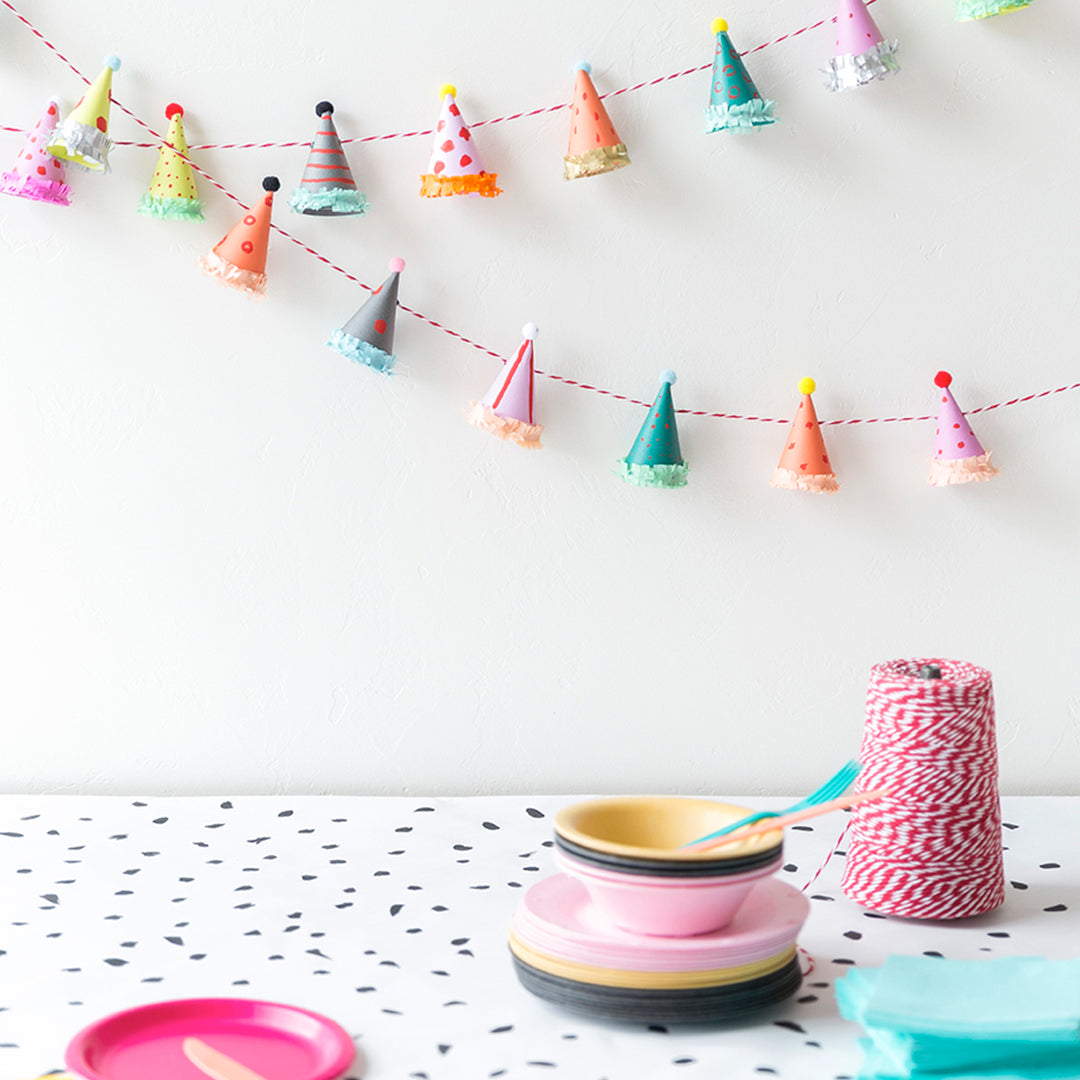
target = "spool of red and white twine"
x: 931, y: 849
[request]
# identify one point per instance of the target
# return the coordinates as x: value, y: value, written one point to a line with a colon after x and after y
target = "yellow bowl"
x: 654, y: 827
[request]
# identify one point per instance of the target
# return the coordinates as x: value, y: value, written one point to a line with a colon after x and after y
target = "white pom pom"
x: 530, y: 330
x: 668, y: 377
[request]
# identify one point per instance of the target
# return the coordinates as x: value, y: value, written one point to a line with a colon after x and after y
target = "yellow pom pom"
x: 719, y: 26
x: 807, y: 385
x: 447, y: 88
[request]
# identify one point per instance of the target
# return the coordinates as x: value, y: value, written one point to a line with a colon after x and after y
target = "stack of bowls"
x: 633, y: 928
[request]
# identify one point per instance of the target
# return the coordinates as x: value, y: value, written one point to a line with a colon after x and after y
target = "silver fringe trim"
x: 847, y: 72
x: 86, y: 141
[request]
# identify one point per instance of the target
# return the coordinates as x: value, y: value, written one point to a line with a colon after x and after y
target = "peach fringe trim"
x: 818, y: 483
x: 961, y: 470
x: 517, y: 431
x: 432, y: 186
x: 600, y: 159
x: 248, y: 281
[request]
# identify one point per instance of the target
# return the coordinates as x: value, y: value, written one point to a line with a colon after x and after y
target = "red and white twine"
x: 932, y: 848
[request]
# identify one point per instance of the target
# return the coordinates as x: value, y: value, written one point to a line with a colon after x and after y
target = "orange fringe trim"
x: 433, y: 187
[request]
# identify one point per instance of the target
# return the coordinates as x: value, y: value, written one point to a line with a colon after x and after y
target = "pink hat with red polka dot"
x: 36, y: 174
x: 455, y: 167
x: 958, y: 455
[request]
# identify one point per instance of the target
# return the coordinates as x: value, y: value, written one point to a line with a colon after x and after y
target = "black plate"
x: 669, y: 867
x: 700, y: 1005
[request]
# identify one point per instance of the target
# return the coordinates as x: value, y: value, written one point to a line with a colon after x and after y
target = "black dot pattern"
x: 390, y: 916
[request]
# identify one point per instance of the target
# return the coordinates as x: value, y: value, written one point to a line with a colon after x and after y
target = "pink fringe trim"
x: 30, y: 187
x: 516, y: 431
x: 818, y: 483
x: 248, y: 281
x: 961, y: 470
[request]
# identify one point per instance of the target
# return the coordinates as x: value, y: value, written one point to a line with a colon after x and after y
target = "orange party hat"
x: 239, y: 258
x: 804, y: 464
x: 595, y: 147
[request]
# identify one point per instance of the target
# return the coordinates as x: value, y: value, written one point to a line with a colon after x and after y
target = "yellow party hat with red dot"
x: 455, y: 167
x: 172, y: 192
x: 804, y: 463
x: 83, y: 138
x: 594, y: 146
x: 239, y: 258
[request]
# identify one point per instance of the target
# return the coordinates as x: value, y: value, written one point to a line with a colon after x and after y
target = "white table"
x: 390, y: 915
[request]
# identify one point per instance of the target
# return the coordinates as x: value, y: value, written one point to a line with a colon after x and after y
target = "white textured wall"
x: 233, y: 561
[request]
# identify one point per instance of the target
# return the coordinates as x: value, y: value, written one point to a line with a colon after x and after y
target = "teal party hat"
x: 655, y: 459
x: 968, y: 10
x: 734, y: 103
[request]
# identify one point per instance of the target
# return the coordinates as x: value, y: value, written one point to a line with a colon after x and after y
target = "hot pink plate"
x: 279, y: 1042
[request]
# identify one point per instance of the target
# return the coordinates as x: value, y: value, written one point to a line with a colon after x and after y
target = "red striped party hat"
x: 327, y: 187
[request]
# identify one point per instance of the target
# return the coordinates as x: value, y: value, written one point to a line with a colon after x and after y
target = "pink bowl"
x: 664, y: 906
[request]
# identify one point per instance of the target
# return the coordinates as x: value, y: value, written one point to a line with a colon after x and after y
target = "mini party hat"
x: 506, y: 409
x: 172, y: 192
x: 36, y: 174
x: 83, y: 137
x: 368, y: 337
x: 958, y: 456
x: 239, y: 258
x: 804, y: 464
x: 862, y: 53
x: 327, y: 187
x: 655, y: 459
x: 734, y: 103
x: 594, y: 145
x: 967, y: 10
x: 455, y: 167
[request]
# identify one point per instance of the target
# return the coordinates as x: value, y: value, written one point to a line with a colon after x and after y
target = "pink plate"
x: 279, y: 1042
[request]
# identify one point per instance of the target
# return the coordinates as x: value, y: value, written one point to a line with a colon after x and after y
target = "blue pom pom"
x: 585, y: 66
x: 112, y: 62
x: 668, y: 377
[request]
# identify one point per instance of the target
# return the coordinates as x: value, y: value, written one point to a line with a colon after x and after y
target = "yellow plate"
x: 647, y: 980
x: 656, y: 826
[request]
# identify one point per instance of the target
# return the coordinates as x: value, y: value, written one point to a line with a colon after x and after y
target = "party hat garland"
x: 594, y: 145
x: 655, y: 459
x: 36, y: 174
x: 368, y: 337
x: 327, y: 187
x: 958, y: 456
x: 804, y: 464
x: 862, y: 52
x: 967, y: 10
x: 455, y: 167
x: 239, y: 258
x: 506, y: 409
x: 172, y: 194
x: 83, y: 137
x: 734, y: 102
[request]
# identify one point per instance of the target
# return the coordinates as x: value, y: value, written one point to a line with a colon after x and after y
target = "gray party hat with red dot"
x: 655, y: 459
x: 368, y: 337
x: 327, y: 187
x: 958, y: 455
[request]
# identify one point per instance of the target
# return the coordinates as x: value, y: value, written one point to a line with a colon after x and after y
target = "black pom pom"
x: 324, y: 107
x: 930, y: 671
x: 271, y: 183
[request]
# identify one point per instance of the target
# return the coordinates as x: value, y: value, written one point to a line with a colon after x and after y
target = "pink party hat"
x: 506, y: 409
x: 862, y: 51
x: 455, y: 167
x: 958, y: 455
x: 36, y: 174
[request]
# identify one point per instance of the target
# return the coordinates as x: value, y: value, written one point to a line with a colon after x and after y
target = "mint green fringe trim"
x: 656, y: 476
x: 170, y: 209
x: 332, y: 201
x: 362, y: 352
x: 966, y: 10
x: 751, y: 114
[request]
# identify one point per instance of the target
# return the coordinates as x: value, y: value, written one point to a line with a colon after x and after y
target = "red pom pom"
x: 173, y: 110
x: 942, y: 379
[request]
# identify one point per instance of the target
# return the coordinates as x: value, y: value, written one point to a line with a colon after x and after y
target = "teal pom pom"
x: 334, y: 202
x: 585, y: 66
x: 668, y: 377
x: 362, y: 352
x: 113, y: 62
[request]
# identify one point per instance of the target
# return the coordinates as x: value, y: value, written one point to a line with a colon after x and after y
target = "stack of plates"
x: 566, y: 952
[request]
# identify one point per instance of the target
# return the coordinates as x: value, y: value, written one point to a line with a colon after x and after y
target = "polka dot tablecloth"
x: 390, y: 916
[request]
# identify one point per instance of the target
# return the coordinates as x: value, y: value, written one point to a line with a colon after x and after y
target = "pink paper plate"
x: 558, y: 917
x: 279, y: 1042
